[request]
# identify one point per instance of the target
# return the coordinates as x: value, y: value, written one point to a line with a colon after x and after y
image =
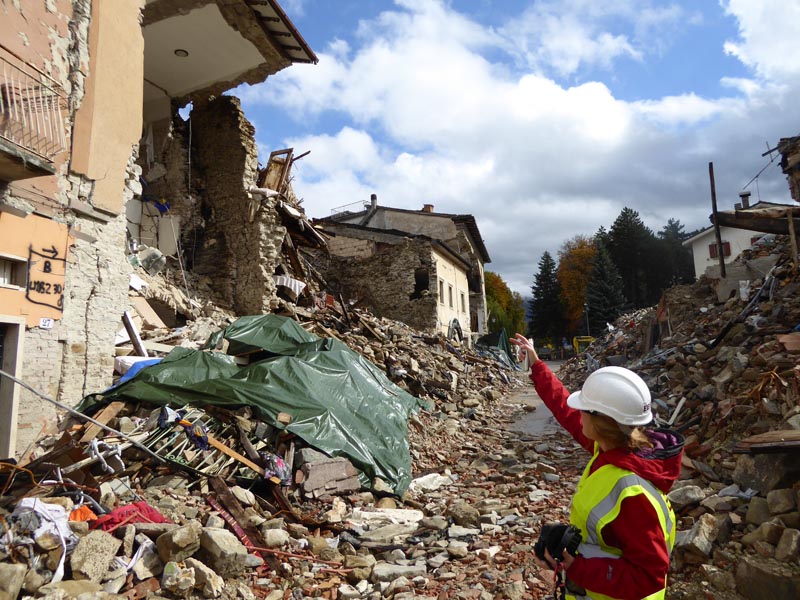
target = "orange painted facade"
x: 40, y: 249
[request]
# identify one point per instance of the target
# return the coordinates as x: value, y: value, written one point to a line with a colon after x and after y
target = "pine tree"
x: 604, y: 297
x: 546, y: 309
x: 678, y: 258
x: 633, y: 249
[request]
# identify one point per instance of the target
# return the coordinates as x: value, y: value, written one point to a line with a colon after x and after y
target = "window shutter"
x: 712, y: 250
x: 726, y: 248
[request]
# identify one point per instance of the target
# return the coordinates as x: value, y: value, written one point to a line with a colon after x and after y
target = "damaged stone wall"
x: 239, y: 243
x: 790, y: 164
x: 388, y: 281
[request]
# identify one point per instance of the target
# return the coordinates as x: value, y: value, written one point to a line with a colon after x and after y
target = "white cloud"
x: 686, y: 109
x: 566, y: 36
x: 769, y: 36
x: 430, y: 118
x: 349, y: 149
x: 294, y: 8
x: 563, y: 43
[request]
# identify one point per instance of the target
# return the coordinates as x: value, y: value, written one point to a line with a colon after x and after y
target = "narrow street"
x: 540, y: 422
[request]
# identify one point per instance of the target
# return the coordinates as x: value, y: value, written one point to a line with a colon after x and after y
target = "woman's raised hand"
x: 524, y: 348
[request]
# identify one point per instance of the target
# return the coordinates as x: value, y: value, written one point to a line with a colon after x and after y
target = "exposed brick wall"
x: 76, y: 356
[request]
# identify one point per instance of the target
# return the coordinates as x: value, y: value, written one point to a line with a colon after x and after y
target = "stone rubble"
x: 465, y: 527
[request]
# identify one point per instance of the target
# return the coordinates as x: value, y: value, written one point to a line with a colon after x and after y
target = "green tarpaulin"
x: 340, y: 402
x: 273, y: 333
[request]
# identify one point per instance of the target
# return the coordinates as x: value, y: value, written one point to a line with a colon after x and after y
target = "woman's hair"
x: 619, y: 436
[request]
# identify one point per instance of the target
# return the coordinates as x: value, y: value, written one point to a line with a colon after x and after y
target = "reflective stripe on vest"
x: 597, y: 503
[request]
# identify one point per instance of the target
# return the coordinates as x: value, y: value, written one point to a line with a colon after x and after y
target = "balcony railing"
x: 30, y: 108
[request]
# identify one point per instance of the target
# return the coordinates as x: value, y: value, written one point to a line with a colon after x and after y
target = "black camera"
x: 557, y: 537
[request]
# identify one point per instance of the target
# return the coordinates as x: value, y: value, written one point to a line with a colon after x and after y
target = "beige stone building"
x: 421, y: 267
x: 96, y: 164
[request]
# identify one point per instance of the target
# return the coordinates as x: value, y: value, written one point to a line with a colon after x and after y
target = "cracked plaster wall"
x: 75, y: 356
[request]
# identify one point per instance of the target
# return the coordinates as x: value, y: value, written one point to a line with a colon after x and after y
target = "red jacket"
x: 642, y: 568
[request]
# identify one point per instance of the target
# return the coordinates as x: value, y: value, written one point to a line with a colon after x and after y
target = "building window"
x: 13, y: 271
x: 463, y: 303
x: 450, y: 294
x: 726, y: 250
x: 754, y: 239
x: 421, y: 284
x: 441, y: 291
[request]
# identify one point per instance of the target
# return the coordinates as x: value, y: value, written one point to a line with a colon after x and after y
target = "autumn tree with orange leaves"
x: 506, y: 308
x: 575, y: 259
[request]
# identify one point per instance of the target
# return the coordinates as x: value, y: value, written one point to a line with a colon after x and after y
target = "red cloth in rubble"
x: 137, y: 512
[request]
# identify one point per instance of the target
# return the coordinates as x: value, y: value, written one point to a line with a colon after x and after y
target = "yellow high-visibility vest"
x: 597, y: 503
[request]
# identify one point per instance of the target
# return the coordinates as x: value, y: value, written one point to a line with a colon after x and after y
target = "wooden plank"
x: 246, y: 443
x: 294, y: 259
x: 774, y: 447
x: 376, y: 334
x: 741, y: 220
x: 231, y: 452
x: 130, y: 327
x: 792, y: 237
x: 715, y: 220
x: 327, y: 331
x: 150, y: 319
x: 781, y: 435
x: 105, y: 415
x: 157, y: 346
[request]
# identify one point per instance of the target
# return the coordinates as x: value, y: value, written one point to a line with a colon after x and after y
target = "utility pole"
x: 586, y: 313
x: 720, y: 249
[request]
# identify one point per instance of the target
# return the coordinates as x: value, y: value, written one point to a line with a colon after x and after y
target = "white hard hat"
x: 615, y: 392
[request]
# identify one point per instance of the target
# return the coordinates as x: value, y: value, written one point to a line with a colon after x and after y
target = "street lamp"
x: 586, y: 313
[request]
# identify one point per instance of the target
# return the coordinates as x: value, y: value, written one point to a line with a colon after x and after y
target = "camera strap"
x: 559, y: 581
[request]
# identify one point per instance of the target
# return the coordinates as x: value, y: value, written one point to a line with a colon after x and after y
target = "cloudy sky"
x: 543, y: 119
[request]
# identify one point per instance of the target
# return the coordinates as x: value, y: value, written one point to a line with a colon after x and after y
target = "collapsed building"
x: 98, y: 173
x: 419, y: 266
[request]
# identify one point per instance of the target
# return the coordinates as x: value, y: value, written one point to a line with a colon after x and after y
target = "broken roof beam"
x: 769, y: 220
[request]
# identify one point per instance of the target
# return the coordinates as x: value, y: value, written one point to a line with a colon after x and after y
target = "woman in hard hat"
x: 620, y: 507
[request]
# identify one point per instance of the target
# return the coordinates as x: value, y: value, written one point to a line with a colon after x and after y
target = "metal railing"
x: 30, y: 108
x: 352, y: 207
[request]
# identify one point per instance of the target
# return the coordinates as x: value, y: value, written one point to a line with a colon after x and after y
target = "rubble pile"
x: 211, y: 502
x: 464, y: 531
x: 217, y: 502
x: 726, y: 374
